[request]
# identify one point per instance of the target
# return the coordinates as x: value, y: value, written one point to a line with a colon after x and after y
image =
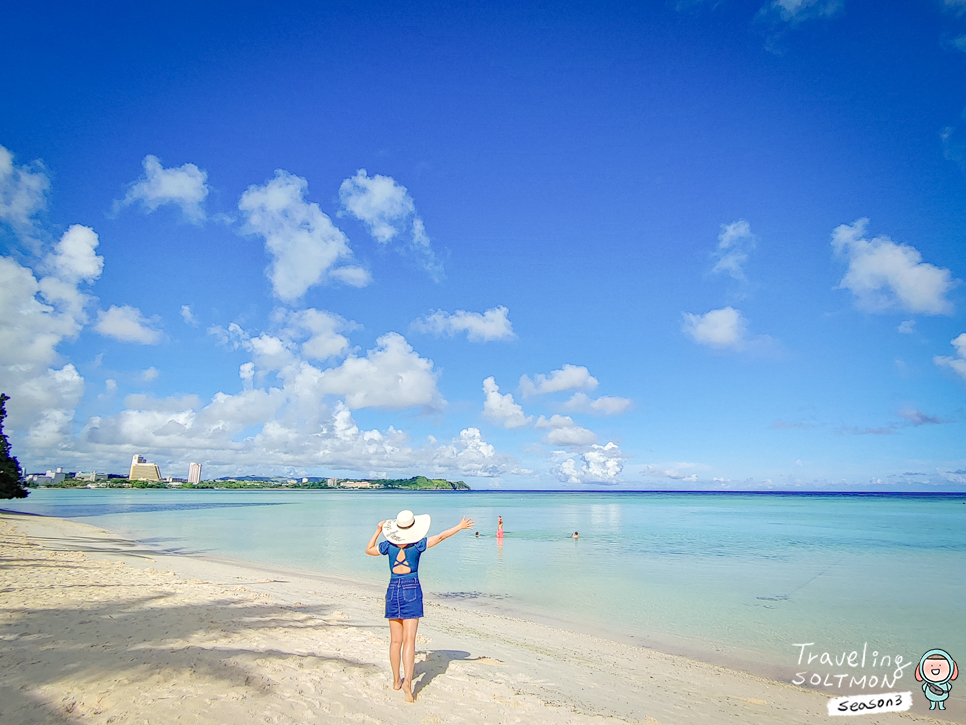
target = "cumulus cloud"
x: 567, y: 378
x: 319, y: 333
x: 501, y: 409
x: 955, y: 363
x: 884, y: 275
x: 293, y: 429
x: 309, y: 334
x: 304, y: 243
x: 185, y: 186
x: 604, y: 405
x: 150, y: 374
x: 490, y: 325
x: 127, y: 324
x: 470, y: 455
x: 734, y: 243
x: 598, y: 464
x: 23, y: 193
x: 392, y: 376
x: 74, y: 258
x: 907, y: 327
x: 387, y: 211
x: 564, y: 432
x: 36, y: 315
x: 720, y: 329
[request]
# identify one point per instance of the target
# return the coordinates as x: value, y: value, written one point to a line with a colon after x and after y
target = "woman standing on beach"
x: 405, y: 541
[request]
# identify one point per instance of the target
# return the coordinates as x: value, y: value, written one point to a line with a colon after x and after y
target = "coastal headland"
x: 96, y: 628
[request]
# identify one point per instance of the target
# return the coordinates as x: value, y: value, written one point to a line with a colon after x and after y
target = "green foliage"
x: 423, y: 484
x: 11, y: 475
x: 148, y: 484
x: 310, y: 484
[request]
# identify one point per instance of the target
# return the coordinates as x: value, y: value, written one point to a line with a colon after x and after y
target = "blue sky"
x: 664, y: 245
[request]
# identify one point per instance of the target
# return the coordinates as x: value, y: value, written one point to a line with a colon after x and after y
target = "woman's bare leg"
x: 409, y: 655
x: 395, y: 645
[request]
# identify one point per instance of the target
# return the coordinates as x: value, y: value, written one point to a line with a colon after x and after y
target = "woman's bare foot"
x: 408, y: 692
x: 397, y: 684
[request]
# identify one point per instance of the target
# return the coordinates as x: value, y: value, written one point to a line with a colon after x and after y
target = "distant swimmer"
x: 477, y: 534
x: 575, y: 536
x: 499, y: 527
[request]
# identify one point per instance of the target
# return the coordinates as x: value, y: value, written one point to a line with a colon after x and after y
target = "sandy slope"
x: 95, y: 629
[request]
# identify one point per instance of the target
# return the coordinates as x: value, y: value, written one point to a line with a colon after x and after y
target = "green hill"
x: 422, y: 483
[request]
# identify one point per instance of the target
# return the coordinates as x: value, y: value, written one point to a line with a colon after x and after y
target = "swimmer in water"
x: 499, y: 527
x: 575, y: 536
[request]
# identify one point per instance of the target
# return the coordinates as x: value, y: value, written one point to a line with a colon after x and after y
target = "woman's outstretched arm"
x: 372, y: 549
x: 464, y: 524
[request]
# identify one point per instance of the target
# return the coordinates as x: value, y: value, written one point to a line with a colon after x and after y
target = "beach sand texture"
x: 96, y: 629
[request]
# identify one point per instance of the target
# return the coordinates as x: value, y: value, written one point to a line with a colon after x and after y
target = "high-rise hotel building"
x: 194, y: 473
x: 141, y: 470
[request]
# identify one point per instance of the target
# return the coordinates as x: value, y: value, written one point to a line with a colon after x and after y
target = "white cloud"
x: 296, y: 430
x: 884, y: 275
x: 734, y: 243
x: 309, y: 334
x: 73, y: 258
x: 304, y: 244
x: 36, y: 315
x: 391, y: 376
x: 352, y: 276
x: 23, y: 193
x: 150, y: 374
x: 491, y: 325
x: 127, y: 324
x: 564, y: 432
x: 567, y: 378
x: 673, y: 473
x: 599, y: 464
x: 188, y: 316
x: 958, y: 363
x: 501, y: 409
x: 387, y: 211
x: 322, y: 331
x: 470, y: 455
x: 957, y: 6
x: 907, y: 327
x: 185, y: 186
x: 604, y: 405
x: 796, y: 11
x: 720, y: 329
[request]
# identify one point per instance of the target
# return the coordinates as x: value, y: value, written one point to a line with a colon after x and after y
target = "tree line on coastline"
x: 416, y: 483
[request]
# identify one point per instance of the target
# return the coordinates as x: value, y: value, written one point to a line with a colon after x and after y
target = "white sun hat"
x: 406, y: 528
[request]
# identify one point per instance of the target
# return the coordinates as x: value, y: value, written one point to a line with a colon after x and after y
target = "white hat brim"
x: 410, y: 535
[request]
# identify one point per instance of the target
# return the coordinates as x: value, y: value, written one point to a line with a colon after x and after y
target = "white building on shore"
x: 194, y: 473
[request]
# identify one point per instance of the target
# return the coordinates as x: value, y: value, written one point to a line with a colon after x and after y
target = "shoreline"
x: 540, y: 671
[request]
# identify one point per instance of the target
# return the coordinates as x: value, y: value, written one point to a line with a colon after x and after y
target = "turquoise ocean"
x: 730, y: 578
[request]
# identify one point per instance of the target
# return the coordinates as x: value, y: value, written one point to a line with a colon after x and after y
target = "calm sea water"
x: 725, y: 576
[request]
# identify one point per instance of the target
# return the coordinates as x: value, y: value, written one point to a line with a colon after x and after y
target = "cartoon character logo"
x: 936, y: 671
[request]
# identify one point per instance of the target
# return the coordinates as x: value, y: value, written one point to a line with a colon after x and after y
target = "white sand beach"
x: 97, y: 629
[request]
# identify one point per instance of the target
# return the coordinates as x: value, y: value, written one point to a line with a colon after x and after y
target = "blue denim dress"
x: 404, y: 597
